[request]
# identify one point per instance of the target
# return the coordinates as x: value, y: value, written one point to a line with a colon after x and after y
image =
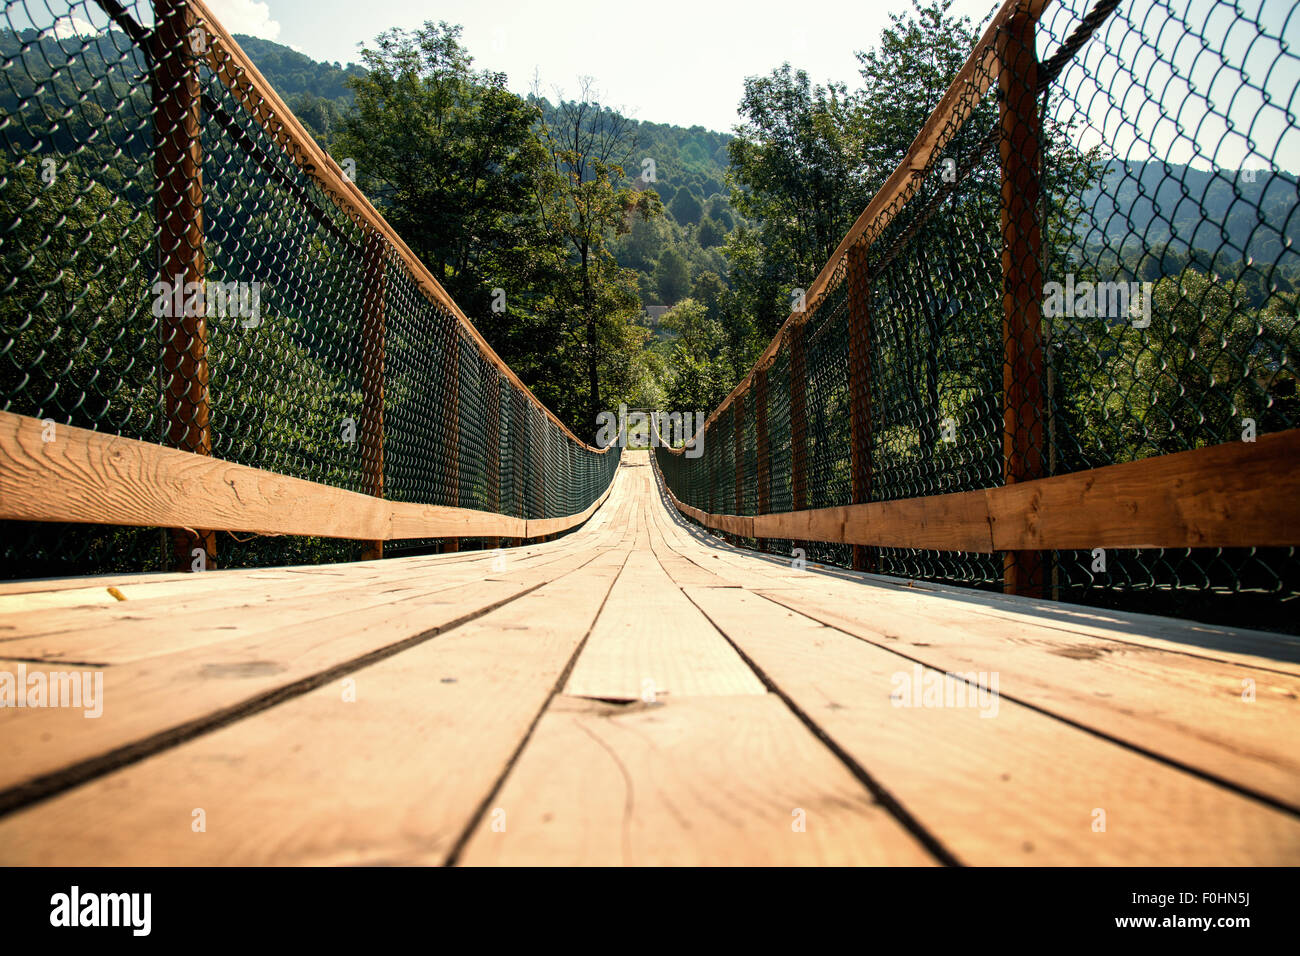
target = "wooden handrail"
x: 1233, y: 495
x: 96, y: 478
x: 234, y: 68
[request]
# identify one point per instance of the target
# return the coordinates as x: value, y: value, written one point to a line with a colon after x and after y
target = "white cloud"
x: 67, y: 27
x: 246, y: 16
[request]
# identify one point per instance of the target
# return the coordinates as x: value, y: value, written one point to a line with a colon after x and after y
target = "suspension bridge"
x: 833, y: 626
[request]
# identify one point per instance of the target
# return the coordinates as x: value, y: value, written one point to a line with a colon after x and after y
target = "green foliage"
x: 672, y: 277
x: 296, y: 73
x: 685, y: 208
x: 701, y: 375
x: 450, y: 156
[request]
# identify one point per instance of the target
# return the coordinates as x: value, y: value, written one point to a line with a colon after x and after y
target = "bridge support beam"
x: 763, y: 460
x: 451, y: 418
x: 492, y: 450
x: 738, y: 455
x: 798, y: 420
x: 178, y: 172
x: 374, y: 329
x: 859, y: 375
x: 1020, y: 147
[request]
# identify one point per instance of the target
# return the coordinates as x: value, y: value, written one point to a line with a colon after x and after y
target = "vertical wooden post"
x: 1022, y: 371
x: 859, y: 381
x: 539, y: 466
x: 798, y: 420
x: 710, y: 468
x: 492, y: 451
x: 763, y: 465
x: 178, y: 170
x: 738, y: 455
x: 373, y: 335
x: 451, y: 415
x: 518, y: 453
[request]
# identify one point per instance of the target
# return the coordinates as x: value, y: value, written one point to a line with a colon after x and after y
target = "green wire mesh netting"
x: 1168, y: 319
x: 322, y: 356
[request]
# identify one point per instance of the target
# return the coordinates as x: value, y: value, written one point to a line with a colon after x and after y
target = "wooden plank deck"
x: 636, y: 692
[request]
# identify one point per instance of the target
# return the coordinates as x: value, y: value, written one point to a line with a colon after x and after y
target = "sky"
x: 1213, y: 83
x: 667, y: 61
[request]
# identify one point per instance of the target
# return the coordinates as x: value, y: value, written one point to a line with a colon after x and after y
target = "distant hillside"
x: 317, y: 92
x: 1150, y: 204
x: 293, y: 72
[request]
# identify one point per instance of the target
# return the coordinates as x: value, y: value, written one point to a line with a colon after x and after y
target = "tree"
x: 582, y: 201
x: 711, y: 234
x: 794, y: 163
x: 685, y: 207
x: 449, y: 155
x: 672, y: 276
x: 701, y: 373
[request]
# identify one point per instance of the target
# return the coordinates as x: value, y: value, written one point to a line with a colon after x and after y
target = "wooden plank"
x: 1229, y: 495
x: 194, y: 689
x: 322, y: 781
x: 681, y: 569
x: 91, y: 589
x: 1238, y: 494
x: 1242, y: 647
x: 1185, y: 708
x: 88, y: 476
x: 593, y: 788
x: 1239, y: 646
x: 534, y: 527
x: 953, y: 522
x: 1013, y: 787
x: 142, y: 626
x: 650, y: 642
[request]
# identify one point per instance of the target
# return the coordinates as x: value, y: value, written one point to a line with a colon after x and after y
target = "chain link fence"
x: 1096, y: 267
x: 174, y: 268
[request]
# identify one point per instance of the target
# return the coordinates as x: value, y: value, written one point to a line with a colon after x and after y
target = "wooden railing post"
x: 536, y: 468
x: 451, y: 418
x: 798, y: 420
x: 1024, y: 449
x: 859, y: 381
x: 738, y: 454
x: 763, y: 465
x: 178, y: 170
x: 518, y: 456
x: 710, y: 469
x: 492, y: 461
x: 373, y: 337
